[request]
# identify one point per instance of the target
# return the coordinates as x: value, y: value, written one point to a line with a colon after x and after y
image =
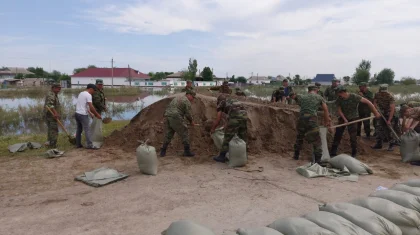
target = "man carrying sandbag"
x: 236, y: 123
x: 347, y: 104
x: 177, y: 110
x: 307, y: 125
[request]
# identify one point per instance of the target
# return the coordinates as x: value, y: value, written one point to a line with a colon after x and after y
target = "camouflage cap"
x: 190, y: 92
x: 383, y: 87
x: 55, y: 84
x: 362, y: 84
x: 312, y: 87
x: 334, y: 80
x: 340, y: 88
x: 317, y: 84
x: 99, y: 82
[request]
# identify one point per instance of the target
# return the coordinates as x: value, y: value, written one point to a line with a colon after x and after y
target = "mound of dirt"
x: 271, y: 128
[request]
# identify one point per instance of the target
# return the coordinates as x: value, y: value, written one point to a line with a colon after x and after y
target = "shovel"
x: 72, y: 140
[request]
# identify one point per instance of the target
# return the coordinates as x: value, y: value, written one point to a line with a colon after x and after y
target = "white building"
x: 115, y: 77
x: 258, y: 80
x: 7, y: 73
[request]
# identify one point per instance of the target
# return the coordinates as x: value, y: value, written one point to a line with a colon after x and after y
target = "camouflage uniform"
x: 349, y: 108
x: 383, y: 100
x: 178, y: 109
x: 364, y: 112
x: 307, y: 126
x: 187, y: 88
x: 277, y: 95
x: 330, y: 94
x: 320, y: 93
x: 52, y: 101
x: 98, y: 101
x: 236, y: 120
x: 222, y: 89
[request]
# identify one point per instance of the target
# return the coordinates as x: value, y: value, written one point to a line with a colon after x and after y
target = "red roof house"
x: 116, y: 76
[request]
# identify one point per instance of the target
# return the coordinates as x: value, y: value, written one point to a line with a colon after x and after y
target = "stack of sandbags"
x: 299, y: 226
x: 404, y: 199
x: 407, y: 189
x: 186, y: 227
x: 258, y: 231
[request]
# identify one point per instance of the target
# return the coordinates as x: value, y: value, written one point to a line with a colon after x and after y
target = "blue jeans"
x: 82, y: 122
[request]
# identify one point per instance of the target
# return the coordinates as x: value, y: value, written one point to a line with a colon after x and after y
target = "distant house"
x: 116, y: 77
x: 10, y: 72
x: 324, y: 79
x: 258, y: 80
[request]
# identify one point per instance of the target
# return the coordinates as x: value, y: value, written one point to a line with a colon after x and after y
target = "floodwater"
x: 25, y: 115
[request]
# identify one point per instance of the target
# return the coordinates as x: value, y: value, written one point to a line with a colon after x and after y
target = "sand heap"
x: 271, y: 128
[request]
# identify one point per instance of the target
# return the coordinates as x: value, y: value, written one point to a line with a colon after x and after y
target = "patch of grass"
x: 63, y: 143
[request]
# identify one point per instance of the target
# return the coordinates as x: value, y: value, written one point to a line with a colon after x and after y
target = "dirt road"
x: 39, y: 196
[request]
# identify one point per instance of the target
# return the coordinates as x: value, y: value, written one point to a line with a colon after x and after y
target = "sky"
x: 234, y: 37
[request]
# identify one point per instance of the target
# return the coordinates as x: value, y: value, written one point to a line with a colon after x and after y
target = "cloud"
x: 243, y: 35
x: 61, y: 22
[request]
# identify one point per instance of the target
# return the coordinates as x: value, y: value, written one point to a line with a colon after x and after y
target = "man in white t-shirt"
x: 83, y: 107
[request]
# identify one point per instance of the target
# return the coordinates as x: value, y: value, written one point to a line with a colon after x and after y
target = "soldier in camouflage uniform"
x: 347, y: 109
x: 239, y: 92
x: 364, y: 110
x: 329, y: 93
x: 385, y: 102
x: 318, y: 85
x: 188, y: 87
x: 236, y: 122
x: 52, y: 102
x: 98, y: 98
x: 177, y: 110
x: 278, y: 95
x: 307, y: 125
x: 222, y: 89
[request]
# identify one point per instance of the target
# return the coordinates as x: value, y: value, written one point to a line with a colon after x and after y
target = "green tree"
x: 346, y: 79
x: 207, y: 74
x: 241, y: 79
x: 307, y: 81
x: 157, y: 76
x: 386, y: 76
x: 19, y: 76
x: 55, y: 75
x: 297, y: 80
x: 192, y: 70
x: 38, y: 71
x: 78, y: 70
x: 408, y: 81
x: 362, y: 73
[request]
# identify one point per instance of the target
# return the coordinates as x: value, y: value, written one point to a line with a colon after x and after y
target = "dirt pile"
x: 271, y: 128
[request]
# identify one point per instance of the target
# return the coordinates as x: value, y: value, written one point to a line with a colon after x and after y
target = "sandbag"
x: 217, y: 137
x: 324, y: 143
x: 404, y: 199
x: 298, y: 226
x: 353, y: 165
x: 409, y: 148
x: 258, y: 231
x: 406, y: 219
x: 406, y: 188
x: 413, y: 183
x: 335, y: 223
x: 186, y: 227
x: 237, y: 152
x: 364, y: 218
x: 97, y: 137
x: 147, y: 159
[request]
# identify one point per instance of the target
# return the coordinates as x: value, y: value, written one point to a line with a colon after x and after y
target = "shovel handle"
x: 356, y: 121
x: 58, y: 121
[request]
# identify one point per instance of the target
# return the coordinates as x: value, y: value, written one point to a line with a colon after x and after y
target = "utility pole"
x: 112, y: 72
x: 129, y: 75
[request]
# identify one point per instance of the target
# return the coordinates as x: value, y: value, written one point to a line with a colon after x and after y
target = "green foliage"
x: 365, y: 65
x: 386, y: 76
x: 241, y: 79
x: 78, y: 70
x: 207, y: 74
x: 19, y: 76
x: 362, y: 73
x: 38, y: 71
x: 297, y: 80
x: 192, y: 70
x: 307, y: 81
x: 408, y: 81
x: 158, y: 76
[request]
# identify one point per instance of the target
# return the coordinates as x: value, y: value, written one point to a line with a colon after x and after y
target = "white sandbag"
x: 353, y: 165
x: 258, y: 231
x: 217, y: 137
x: 298, y: 226
x: 364, y: 218
x: 408, y: 220
x: 237, y: 152
x: 147, y: 159
x: 335, y: 223
x: 409, y: 148
x: 413, y: 183
x: 324, y: 143
x: 407, y: 189
x: 97, y: 137
x: 186, y: 227
x: 404, y: 199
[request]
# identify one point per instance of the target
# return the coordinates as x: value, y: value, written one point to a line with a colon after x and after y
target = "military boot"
x: 163, y: 150
x: 391, y: 146
x: 296, y: 155
x: 221, y: 158
x: 187, y: 151
x: 378, y: 145
x: 333, y: 151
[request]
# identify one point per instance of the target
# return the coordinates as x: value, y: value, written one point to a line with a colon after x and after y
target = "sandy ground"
x: 39, y: 196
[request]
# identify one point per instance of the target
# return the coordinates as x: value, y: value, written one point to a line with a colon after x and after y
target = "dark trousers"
x: 366, y: 124
x: 339, y: 131
x: 82, y: 122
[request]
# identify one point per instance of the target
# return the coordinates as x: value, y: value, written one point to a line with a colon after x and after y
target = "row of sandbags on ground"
x: 385, y: 212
